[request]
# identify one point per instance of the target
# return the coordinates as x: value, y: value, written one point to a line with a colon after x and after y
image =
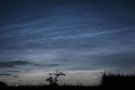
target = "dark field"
x: 108, y: 81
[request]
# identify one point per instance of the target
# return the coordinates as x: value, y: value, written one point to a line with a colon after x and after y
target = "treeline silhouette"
x: 108, y: 81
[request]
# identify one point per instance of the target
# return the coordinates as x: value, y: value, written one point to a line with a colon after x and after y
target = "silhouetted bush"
x: 53, y: 78
x: 118, y: 80
x: 2, y: 84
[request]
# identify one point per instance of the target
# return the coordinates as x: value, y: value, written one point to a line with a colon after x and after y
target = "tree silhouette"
x: 53, y: 78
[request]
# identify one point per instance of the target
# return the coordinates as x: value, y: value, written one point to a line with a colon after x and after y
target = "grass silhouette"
x: 118, y: 80
x: 108, y: 81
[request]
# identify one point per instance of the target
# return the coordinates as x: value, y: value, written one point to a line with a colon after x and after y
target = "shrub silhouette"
x: 118, y: 80
x: 2, y: 84
x: 53, y: 78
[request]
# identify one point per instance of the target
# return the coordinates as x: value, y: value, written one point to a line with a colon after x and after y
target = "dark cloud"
x: 12, y: 64
x: 5, y: 74
x: 15, y: 76
x: 13, y: 71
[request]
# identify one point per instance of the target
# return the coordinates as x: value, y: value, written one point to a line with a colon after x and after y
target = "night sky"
x: 74, y: 36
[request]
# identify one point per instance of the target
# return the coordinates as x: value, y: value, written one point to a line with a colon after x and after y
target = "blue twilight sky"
x: 68, y: 35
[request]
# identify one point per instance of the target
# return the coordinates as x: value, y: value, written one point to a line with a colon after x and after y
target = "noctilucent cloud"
x: 39, y: 36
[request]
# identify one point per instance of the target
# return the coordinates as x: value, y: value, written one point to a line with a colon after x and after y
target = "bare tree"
x: 53, y: 78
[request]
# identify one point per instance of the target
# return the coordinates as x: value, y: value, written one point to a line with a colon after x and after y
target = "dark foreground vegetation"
x: 108, y: 81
